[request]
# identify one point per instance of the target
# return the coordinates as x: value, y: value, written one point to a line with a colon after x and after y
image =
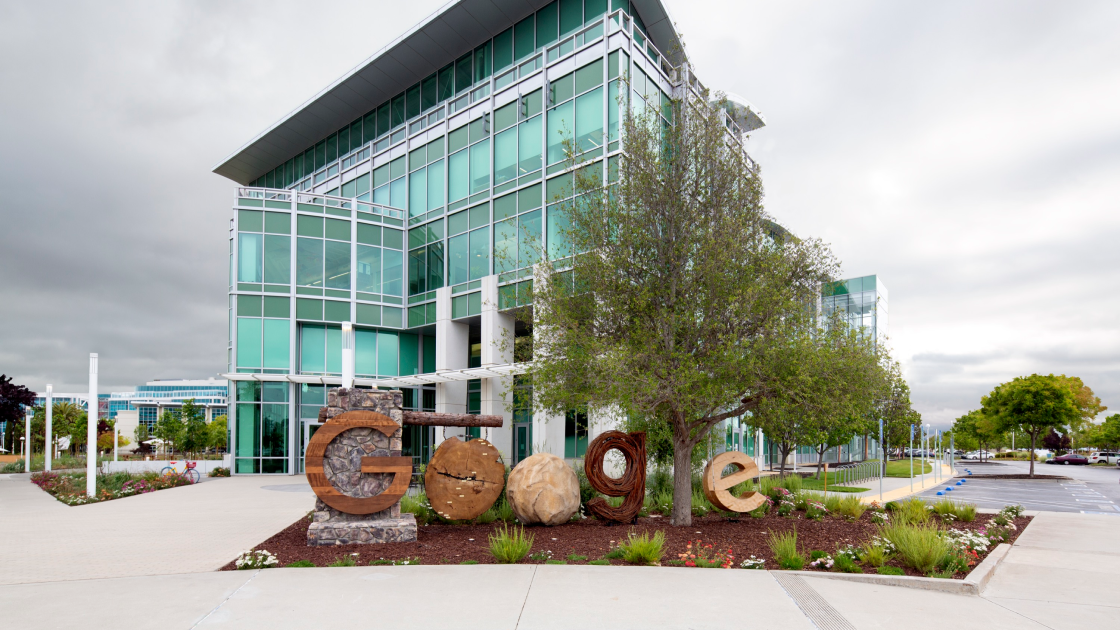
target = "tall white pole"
x: 347, y: 355
x: 116, y: 439
x: 882, y: 461
x: 48, y: 445
x: 27, y: 441
x: 91, y: 429
x: 911, y: 459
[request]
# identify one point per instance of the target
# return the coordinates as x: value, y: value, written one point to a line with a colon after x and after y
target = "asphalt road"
x: 1089, y: 489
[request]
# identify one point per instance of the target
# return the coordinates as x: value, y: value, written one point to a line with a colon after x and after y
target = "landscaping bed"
x: 582, y: 541
x: 70, y: 488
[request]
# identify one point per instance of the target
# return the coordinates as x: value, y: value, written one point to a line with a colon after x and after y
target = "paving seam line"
x: 816, y: 608
x: 526, y: 600
x: 226, y: 599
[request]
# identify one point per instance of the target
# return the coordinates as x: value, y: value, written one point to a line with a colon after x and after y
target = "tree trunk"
x: 682, y: 484
x: 820, y: 460
x: 1033, y: 433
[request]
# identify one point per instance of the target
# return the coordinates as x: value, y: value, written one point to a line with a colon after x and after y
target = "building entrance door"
x: 309, y: 428
x: 522, y: 441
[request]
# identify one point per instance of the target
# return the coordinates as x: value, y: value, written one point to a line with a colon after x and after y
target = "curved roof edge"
x: 445, y: 35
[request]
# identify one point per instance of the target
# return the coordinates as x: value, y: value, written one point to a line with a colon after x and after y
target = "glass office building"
x: 862, y: 302
x: 409, y: 198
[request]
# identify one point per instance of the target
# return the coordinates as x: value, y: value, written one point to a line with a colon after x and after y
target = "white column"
x: 91, y: 429
x: 48, y: 450
x: 497, y: 349
x: 452, y: 353
x: 27, y: 441
x: 347, y: 355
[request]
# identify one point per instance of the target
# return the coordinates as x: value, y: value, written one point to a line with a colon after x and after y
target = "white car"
x: 978, y: 455
x: 1106, y: 457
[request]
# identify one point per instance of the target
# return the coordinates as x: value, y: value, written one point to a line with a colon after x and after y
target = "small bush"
x: 911, y: 511
x: 873, y: 554
x: 753, y: 563
x: 919, y: 546
x: 487, y: 517
x: 298, y: 564
x: 660, y: 481
x: 510, y: 544
x: 966, y: 512
x: 1012, y: 511
x: 845, y: 564
x: 793, y: 483
x: 541, y: 556
x: 419, y: 507
x: 350, y: 560
x: 700, y: 504
x: 13, y: 467
x: 885, y: 570
x: 221, y: 472
x: 697, y: 554
x: 850, y: 508
x: 643, y: 548
x: 946, y: 575
x: 504, y: 511
x: 615, y: 553
x: 784, y: 548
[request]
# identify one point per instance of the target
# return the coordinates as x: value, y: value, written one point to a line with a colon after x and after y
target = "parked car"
x: 1069, y: 458
x: 977, y: 455
x: 1104, y: 457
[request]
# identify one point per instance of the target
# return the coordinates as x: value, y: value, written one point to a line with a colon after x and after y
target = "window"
x: 261, y: 420
x: 575, y: 434
x: 468, y: 248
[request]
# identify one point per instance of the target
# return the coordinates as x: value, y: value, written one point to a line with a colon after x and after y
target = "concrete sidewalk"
x: 895, y: 488
x: 179, y: 530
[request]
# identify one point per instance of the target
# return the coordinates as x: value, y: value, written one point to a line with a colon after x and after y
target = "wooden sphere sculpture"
x: 464, y: 478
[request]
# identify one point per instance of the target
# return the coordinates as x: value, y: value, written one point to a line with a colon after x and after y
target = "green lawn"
x: 901, y: 468
x: 812, y: 483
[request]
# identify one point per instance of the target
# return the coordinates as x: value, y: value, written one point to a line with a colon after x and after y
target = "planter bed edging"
x: 972, y: 584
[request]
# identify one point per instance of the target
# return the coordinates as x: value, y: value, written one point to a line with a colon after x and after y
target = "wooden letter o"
x: 631, y: 485
x: 716, y: 486
x: 399, y: 467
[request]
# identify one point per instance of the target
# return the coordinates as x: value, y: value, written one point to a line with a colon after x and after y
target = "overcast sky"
x: 966, y: 152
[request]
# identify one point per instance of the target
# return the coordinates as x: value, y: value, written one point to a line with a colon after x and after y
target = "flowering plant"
x: 967, y: 541
x: 761, y: 510
x: 259, y: 559
x: 815, y: 510
x: 823, y: 562
x: 786, y: 507
x: 849, y: 551
x: 753, y: 563
x: 706, y: 557
x: 880, y: 518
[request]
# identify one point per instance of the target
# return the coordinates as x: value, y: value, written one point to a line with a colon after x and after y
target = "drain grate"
x: 819, y: 611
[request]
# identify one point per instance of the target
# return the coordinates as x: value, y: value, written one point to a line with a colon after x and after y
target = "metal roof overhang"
x: 442, y: 37
x: 441, y: 376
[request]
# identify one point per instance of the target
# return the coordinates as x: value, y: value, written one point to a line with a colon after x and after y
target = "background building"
x: 407, y: 198
x: 862, y: 302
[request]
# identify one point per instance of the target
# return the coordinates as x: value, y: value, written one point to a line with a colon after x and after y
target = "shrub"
x: 873, y: 554
x: 615, y: 553
x: 700, y: 504
x: 13, y: 467
x: 487, y: 517
x: 885, y: 570
x: 911, y: 511
x: 259, y: 559
x: 1012, y: 511
x: 664, y: 501
x: 503, y: 510
x: 850, y: 508
x: 845, y: 564
x: 919, y: 546
x: 510, y: 544
x: 966, y: 512
x: 793, y: 483
x: 784, y: 548
x: 419, y: 507
x: 299, y: 564
x: 643, y: 548
x: 541, y: 556
x: 821, y: 560
x: 761, y: 511
x: 223, y: 472
x: 815, y: 510
x: 349, y: 560
x: 753, y: 563
x: 660, y: 481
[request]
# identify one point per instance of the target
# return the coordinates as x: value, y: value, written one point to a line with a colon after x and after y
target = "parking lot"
x: 1088, y: 489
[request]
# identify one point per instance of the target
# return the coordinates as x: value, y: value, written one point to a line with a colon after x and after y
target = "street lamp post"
x: 48, y: 444
x: 27, y: 440
x: 91, y: 429
x: 911, y: 459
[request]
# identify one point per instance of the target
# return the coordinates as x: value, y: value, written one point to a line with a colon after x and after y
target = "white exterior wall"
x: 452, y: 353
x: 497, y: 349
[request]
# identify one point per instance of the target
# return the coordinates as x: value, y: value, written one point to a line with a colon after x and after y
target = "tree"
x: 195, y: 435
x: 218, y: 433
x: 170, y: 428
x: 1057, y: 442
x: 1088, y: 404
x: 13, y: 399
x: 895, y: 408
x: 979, y: 427
x: 1110, y: 430
x: 661, y: 291
x: 1032, y: 404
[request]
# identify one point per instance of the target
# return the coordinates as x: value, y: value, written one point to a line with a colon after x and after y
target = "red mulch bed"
x: 454, y: 544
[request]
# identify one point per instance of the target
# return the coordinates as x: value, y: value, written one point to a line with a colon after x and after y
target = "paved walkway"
x: 180, y: 530
x: 895, y: 488
x: 1063, y: 572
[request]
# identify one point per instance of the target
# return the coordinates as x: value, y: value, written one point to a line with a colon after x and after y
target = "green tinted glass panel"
x: 559, y: 129
x: 562, y: 88
x: 334, y: 349
x: 274, y: 436
x: 369, y: 234
x: 338, y: 230
x: 505, y: 156
x: 248, y: 434
x: 571, y: 16
x: 365, y: 352
x: 309, y: 226
x: 393, y: 239
x: 367, y: 275
x: 435, y: 149
x: 524, y: 38
x: 409, y: 354
x: 387, y: 353
x: 277, y: 223
x: 381, y: 175
x: 417, y: 193
x: 559, y: 187
x: 480, y: 215
x: 457, y: 139
x: 309, y: 262
x: 477, y: 129
x: 336, y: 311
x: 529, y: 198
x: 368, y: 314
x: 446, y: 82
x: 505, y: 206
x: 312, y: 349
x: 457, y: 222
x: 593, y: 9
x: 505, y: 116
x: 529, y: 146
x: 248, y: 342
x: 458, y: 180
x: 589, y: 120
x: 249, y: 257
x: 417, y: 158
x: 548, y: 24
x: 396, y: 168
x: 307, y: 308
x: 480, y: 167
x: 277, y: 342
x: 248, y: 306
x: 392, y: 272
x: 503, y: 50
x: 277, y: 306
x: 412, y: 101
x: 529, y: 238
x: 533, y: 103
x: 505, y: 246
x: 589, y: 76
x: 435, y: 230
x: 479, y: 253
x: 463, y: 76
x: 458, y: 254
x: 435, y: 185
x: 558, y: 227
x: 337, y: 265
x: 250, y: 221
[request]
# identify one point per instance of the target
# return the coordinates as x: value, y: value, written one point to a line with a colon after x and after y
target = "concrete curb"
x: 972, y: 584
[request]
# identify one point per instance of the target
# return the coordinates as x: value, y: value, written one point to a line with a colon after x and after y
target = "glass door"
x: 309, y: 428
x: 522, y: 441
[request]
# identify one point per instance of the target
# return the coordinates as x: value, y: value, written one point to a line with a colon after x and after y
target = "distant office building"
x: 148, y: 401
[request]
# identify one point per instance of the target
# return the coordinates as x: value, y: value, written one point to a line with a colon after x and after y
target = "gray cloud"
x: 965, y: 152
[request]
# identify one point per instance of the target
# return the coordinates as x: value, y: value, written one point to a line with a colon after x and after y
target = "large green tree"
x: 679, y: 286
x: 975, y: 425
x: 1033, y: 404
x: 13, y: 399
x: 195, y: 434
